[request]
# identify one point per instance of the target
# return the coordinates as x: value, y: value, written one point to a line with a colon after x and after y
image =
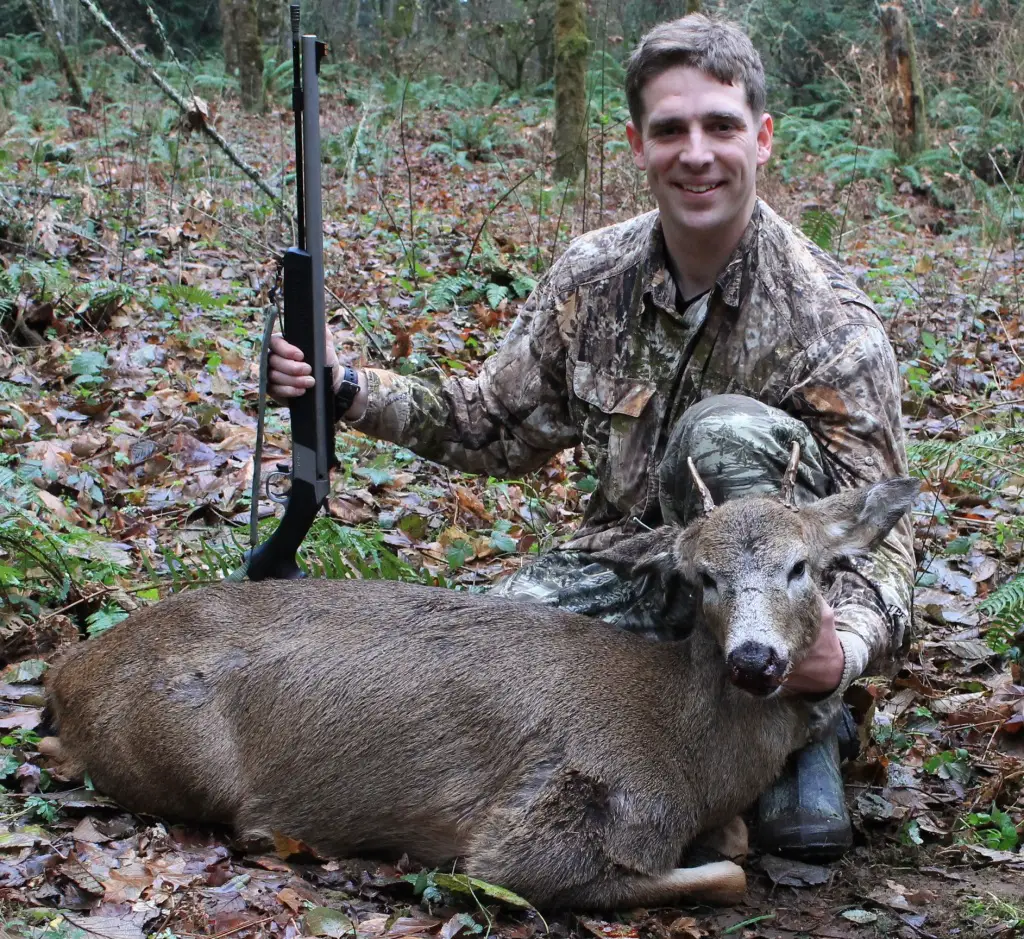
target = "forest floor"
x: 138, y: 267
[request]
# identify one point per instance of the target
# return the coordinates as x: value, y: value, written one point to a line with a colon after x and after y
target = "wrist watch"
x: 346, y: 393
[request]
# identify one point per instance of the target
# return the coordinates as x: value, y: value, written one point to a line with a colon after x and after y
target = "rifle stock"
x: 312, y: 413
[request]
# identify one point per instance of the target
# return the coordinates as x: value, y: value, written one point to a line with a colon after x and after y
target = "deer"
x: 568, y: 761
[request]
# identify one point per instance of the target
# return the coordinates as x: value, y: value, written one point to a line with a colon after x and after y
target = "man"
x: 707, y: 329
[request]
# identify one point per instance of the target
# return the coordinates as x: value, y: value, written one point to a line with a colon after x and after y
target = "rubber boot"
x: 803, y: 815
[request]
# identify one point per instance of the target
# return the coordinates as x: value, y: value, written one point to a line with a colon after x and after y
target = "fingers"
x: 289, y: 375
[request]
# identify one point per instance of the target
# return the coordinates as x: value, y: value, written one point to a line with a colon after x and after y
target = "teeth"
x: 700, y: 188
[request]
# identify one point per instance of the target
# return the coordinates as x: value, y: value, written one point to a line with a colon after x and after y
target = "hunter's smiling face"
x: 700, y: 146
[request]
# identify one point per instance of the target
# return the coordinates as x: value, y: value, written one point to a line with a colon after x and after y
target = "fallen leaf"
x: 291, y: 899
x: 287, y: 847
x: 860, y: 917
x: 82, y: 877
x: 128, y: 926
x: 22, y: 839
x: 27, y: 720
x: 323, y: 921
x: 793, y: 873
x: 464, y: 884
x: 349, y: 510
x: 949, y: 578
x: 412, y: 926
x: 954, y: 702
x: 85, y: 830
x: 456, y: 924
x: 1014, y: 858
x: 686, y: 927
x: 605, y: 930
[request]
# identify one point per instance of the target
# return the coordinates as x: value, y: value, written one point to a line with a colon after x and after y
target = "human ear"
x: 636, y: 144
x: 765, y: 134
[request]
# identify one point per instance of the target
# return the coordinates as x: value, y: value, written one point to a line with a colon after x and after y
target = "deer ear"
x: 854, y: 521
x: 666, y: 551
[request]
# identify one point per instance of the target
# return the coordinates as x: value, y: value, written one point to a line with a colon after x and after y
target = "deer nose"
x: 756, y: 667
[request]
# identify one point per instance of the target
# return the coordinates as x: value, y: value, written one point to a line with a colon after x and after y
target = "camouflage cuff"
x: 855, y: 659
x: 371, y: 422
x: 865, y: 636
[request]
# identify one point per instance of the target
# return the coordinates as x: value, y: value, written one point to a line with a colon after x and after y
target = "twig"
x: 228, y: 932
x: 182, y: 104
x: 78, y: 233
x: 408, y: 178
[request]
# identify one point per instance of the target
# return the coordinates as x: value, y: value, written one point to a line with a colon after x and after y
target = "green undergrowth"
x: 48, y: 564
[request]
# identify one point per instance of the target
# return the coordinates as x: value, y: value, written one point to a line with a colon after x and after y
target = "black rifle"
x: 312, y: 413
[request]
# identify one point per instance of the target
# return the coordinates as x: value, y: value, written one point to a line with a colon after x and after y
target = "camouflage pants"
x: 740, y: 447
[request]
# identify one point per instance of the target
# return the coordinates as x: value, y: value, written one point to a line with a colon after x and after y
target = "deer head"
x: 757, y: 563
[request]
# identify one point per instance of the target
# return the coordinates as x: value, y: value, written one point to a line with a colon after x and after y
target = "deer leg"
x: 572, y: 843
x: 729, y: 842
x: 719, y: 882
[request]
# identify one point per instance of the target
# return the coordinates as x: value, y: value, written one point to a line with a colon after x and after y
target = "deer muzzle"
x: 756, y: 667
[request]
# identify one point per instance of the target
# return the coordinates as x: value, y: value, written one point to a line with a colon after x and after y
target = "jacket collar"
x: 660, y: 286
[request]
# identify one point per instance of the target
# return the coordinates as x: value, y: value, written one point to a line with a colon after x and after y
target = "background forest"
x: 146, y: 195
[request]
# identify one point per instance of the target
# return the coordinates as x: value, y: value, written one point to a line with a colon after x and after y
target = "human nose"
x: 695, y: 152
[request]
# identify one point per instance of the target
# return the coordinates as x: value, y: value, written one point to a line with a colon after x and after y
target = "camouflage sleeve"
x: 846, y: 389
x: 510, y: 419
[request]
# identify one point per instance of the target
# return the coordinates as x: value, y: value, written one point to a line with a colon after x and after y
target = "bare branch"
x: 187, y: 108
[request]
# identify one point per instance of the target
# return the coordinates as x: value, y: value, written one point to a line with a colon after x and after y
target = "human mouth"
x: 698, y: 189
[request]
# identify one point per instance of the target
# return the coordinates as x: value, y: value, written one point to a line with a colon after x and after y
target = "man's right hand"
x: 290, y: 374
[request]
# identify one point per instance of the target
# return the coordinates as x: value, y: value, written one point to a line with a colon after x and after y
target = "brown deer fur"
x: 559, y: 757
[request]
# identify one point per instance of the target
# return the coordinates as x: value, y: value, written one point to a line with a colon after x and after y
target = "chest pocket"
x: 620, y: 430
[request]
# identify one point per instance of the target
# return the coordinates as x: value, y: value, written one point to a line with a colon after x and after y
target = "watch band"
x: 346, y: 393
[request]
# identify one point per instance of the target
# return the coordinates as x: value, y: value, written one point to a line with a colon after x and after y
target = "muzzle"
x: 756, y: 668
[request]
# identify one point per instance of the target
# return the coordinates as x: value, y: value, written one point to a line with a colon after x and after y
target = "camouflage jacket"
x: 600, y: 355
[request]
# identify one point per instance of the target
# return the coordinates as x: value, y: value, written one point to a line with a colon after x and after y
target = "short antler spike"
x: 707, y: 503
x: 789, y: 477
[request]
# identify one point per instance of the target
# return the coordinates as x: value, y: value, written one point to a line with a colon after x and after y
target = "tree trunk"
x: 250, y: 55
x: 571, y: 46
x: 903, y: 80
x: 543, y: 35
x: 270, y: 15
x: 229, y: 35
x: 44, y: 14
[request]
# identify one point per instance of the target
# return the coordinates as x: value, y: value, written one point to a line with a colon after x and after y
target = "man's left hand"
x: 821, y: 670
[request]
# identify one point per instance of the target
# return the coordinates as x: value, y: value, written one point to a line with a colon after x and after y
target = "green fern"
x: 186, y: 293
x: 8, y: 286
x: 444, y: 294
x: 821, y: 226
x: 336, y: 551
x: 981, y: 461
x: 523, y: 285
x: 496, y: 293
x: 1005, y: 605
x: 103, y: 619
x: 211, y: 564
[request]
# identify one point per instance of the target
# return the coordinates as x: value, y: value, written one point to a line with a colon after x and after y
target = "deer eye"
x: 708, y: 581
x: 798, y: 571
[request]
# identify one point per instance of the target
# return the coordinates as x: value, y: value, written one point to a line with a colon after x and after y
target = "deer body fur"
x: 559, y: 757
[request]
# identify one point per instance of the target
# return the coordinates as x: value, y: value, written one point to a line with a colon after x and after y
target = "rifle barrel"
x: 315, y: 237
x: 297, y: 107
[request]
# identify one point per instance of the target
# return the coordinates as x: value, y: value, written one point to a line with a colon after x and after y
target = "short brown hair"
x: 715, y: 47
